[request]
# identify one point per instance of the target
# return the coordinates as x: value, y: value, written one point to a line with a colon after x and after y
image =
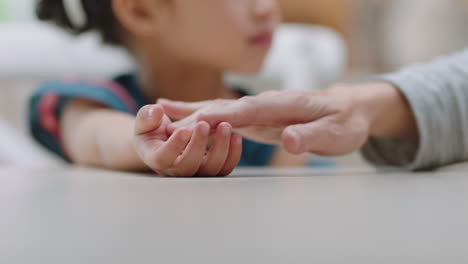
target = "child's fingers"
x: 149, y: 118
x: 168, y: 153
x: 234, y: 156
x: 219, y: 151
x: 190, y: 161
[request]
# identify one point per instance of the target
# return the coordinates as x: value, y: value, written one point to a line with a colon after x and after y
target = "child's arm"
x: 96, y: 136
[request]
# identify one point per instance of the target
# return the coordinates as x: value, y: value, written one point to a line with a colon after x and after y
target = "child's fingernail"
x: 205, y: 129
x: 151, y: 112
x: 226, y: 130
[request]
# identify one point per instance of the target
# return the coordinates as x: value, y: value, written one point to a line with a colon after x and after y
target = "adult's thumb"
x: 314, y: 137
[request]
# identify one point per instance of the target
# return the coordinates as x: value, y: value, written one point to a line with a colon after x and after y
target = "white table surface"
x: 256, y: 216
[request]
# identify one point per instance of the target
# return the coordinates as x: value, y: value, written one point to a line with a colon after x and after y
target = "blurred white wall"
x: 18, y: 10
x: 418, y: 30
x: 16, y: 147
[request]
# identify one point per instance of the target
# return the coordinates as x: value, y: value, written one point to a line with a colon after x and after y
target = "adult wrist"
x: 387, y: 110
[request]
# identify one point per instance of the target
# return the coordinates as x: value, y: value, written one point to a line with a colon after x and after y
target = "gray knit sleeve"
x: 438, y: 95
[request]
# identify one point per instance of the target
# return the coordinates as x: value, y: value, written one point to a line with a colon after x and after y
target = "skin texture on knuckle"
x: 247, y: 108
x: 318, y: 105
x: 300, y: 101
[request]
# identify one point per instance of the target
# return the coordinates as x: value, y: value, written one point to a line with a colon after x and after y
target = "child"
x: 182, y: 49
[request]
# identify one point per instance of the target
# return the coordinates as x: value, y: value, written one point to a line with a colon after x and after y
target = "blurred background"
x: 360, y: 37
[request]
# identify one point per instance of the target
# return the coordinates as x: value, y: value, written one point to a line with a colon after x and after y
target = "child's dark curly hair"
x: 99, y: 14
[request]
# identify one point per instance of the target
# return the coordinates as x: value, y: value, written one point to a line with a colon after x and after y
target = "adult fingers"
x: 239, y: 113
x: 268, y: 110
x: 178, y: 110
x: 189, y: 122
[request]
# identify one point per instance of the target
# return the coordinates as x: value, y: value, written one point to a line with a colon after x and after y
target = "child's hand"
x: 184, y: 153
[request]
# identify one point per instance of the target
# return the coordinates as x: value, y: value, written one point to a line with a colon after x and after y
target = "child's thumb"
x: 148, y: 119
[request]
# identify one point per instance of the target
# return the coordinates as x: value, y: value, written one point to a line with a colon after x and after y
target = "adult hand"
x: 331, y: 122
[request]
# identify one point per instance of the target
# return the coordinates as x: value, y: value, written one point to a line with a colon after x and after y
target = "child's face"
x: 229, y: 35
